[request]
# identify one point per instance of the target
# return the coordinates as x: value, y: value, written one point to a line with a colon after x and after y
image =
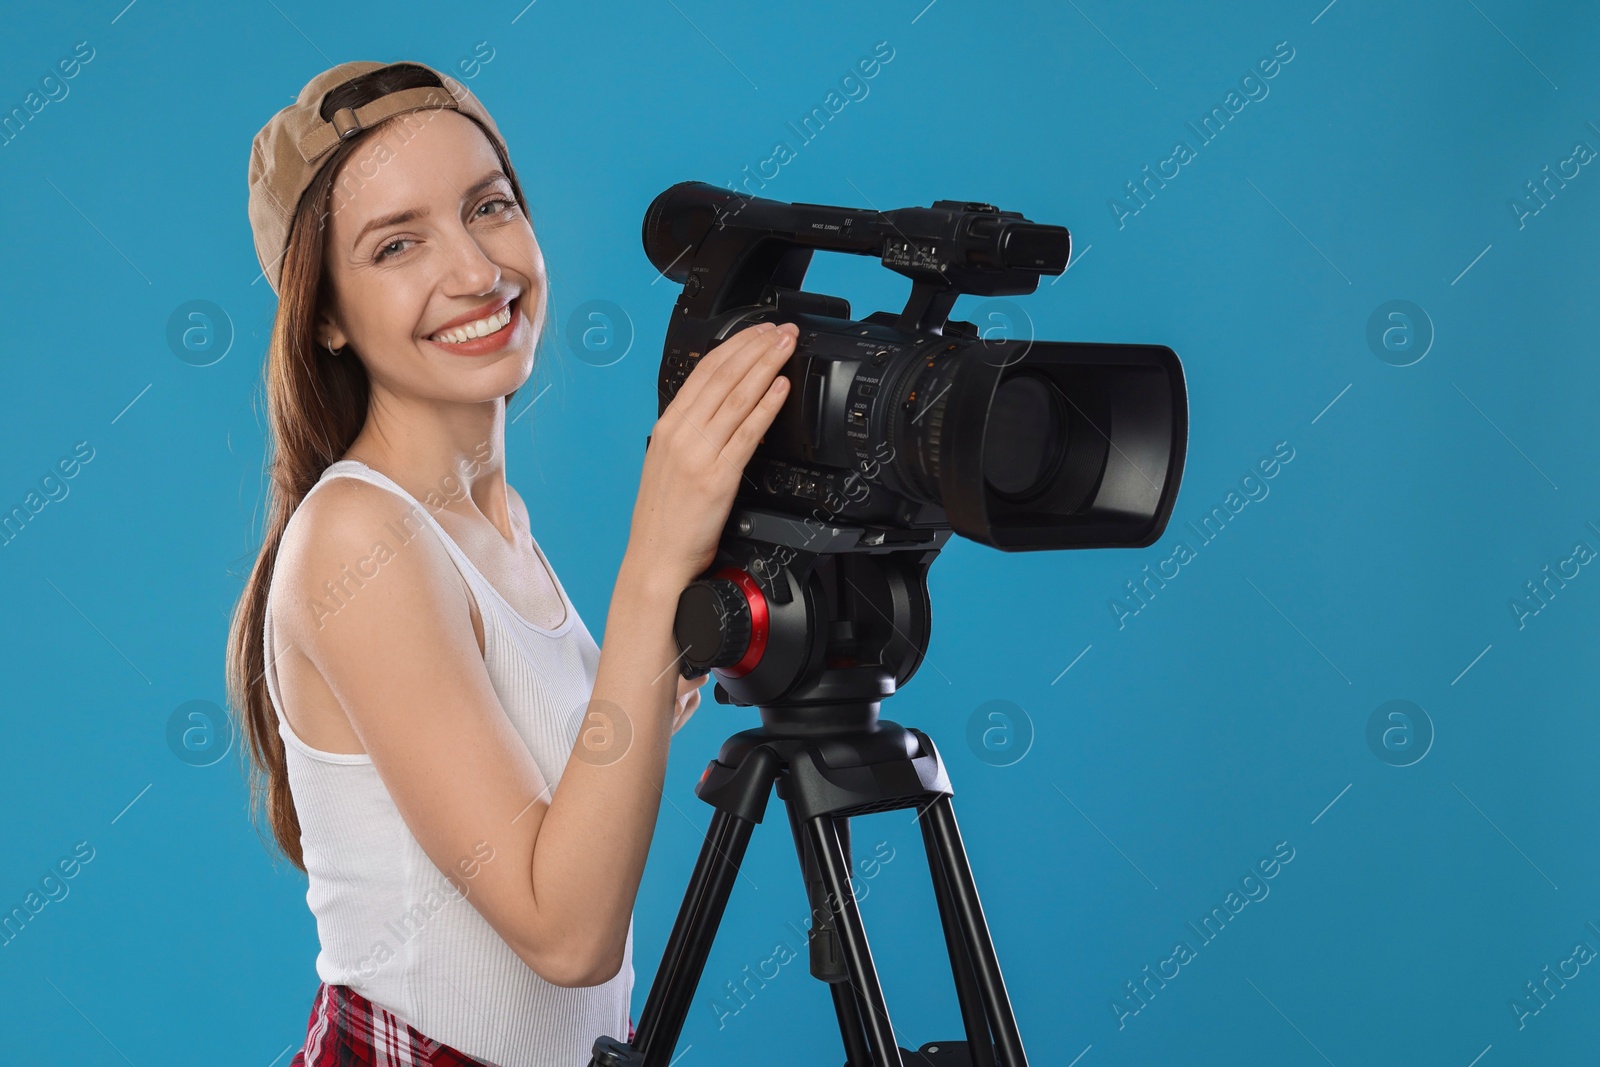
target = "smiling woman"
x: 432, y: 719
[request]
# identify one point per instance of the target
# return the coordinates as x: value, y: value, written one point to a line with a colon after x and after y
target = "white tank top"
x: 390, y: 925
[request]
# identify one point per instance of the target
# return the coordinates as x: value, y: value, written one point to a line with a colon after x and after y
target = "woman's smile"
x: 487, y: 334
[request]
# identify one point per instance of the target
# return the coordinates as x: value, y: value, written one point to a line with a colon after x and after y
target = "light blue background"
x: 1176, y: 751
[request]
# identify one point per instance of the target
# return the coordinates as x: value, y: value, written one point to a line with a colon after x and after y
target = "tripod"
x: 840, y: 617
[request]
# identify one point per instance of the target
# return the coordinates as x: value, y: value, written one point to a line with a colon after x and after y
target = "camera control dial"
x: 722, y: 623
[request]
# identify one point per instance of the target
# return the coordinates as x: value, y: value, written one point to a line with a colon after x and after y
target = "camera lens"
x: 1025, y: 439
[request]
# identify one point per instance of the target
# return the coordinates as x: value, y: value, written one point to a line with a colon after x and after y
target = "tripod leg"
x: 944, y: 838
x: 826, y: 960
x: 824, y: 839
x: 667, y: 1006
x: 973, y: 1019
x: 848, y: 1009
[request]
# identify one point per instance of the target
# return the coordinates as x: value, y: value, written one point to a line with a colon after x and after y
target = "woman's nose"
x: 472, y: 269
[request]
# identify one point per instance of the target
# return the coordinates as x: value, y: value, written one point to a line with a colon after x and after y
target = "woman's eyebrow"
x: 483, y: 183
x: 394, y: 219
x: 409, y: 214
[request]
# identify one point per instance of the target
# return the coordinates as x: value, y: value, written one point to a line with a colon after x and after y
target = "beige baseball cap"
x: 289, y: 150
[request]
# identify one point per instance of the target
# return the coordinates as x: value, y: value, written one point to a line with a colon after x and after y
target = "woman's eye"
x: 394, y: 248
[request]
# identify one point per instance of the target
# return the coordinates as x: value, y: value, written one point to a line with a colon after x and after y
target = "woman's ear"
x: 328, y: 333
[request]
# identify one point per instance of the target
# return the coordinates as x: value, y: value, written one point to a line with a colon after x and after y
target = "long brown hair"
x: 316, y: 405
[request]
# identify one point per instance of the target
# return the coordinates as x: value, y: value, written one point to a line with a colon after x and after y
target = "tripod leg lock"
x: 827, y: 956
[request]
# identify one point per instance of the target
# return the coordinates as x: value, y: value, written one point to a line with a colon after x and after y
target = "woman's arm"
x: 595, y: 834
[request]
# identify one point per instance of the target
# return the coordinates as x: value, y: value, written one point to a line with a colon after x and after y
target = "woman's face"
x: 424, y: 230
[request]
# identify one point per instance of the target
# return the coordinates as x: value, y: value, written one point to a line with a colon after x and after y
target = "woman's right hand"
x: 698, y: 450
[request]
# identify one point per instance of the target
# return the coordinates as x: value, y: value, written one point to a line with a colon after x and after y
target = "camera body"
x: 907, y: 423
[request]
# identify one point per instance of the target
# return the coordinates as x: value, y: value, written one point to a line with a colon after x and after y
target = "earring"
x: 329, y: 347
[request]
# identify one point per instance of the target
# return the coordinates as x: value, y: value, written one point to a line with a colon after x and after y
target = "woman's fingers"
x: 742, y: 444
x: 747, y: 393
x: 719, y: 354
x: 686, y: 706
x: 728, y: 372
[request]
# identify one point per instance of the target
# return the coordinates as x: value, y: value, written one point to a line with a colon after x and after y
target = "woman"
x: 408, y: 669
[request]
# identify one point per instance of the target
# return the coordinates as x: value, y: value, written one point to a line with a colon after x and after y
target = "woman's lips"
x: 492, y: 342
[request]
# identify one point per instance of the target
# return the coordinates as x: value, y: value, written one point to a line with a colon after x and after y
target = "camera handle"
x: 927, y: 308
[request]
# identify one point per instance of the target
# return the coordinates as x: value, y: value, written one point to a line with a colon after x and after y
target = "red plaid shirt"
x: 346, y: 1029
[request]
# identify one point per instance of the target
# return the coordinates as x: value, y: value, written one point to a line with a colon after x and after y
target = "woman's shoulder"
x: 342, y: 514
x: 343, y: 536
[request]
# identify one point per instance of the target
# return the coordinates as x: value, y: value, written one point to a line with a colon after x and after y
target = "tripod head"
x: 816, y: 623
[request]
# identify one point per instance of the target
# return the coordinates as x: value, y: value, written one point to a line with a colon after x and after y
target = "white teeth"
x: 480, y: 328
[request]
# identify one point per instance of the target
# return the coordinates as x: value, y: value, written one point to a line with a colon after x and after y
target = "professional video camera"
x: 1019, y: 444
x: 898, y: 427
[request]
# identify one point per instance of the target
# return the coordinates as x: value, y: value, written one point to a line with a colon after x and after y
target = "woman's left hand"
x: 688, y: 699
